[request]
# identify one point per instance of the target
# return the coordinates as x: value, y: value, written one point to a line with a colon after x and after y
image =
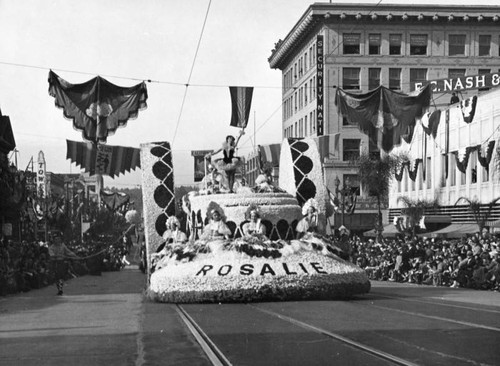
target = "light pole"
x: 343, y: 192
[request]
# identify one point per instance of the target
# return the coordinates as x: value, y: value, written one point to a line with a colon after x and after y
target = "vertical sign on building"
x: 319, y: 85
x: 41, y: 187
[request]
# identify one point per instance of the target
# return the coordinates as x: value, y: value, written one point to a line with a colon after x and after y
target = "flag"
x: 97, y: 107
x: 241, y: 100
x: 328, y: 146
x: 384, y: 115
x: 270, y: 153
x: 103, y: 159
x: 334, y: 201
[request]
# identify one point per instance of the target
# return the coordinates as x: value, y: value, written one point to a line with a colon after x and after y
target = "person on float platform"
x: 229, y: 163
x: 309, y: 223
x: 254, y: 227
x: 216, y: 228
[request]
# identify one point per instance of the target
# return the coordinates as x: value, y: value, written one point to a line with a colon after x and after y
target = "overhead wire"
x: 191, y: 72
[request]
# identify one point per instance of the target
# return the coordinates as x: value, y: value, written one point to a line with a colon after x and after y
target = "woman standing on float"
x: 229, y: 163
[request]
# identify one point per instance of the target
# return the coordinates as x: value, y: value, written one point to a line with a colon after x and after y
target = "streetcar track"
x: 437, y: 302
x: 213, y: 353
x: 372, y: 351
x: 468, y: 324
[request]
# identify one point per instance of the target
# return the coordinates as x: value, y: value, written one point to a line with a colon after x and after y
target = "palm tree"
x: 414, y: 210
x: 480, y: 216
x: 375, y: 174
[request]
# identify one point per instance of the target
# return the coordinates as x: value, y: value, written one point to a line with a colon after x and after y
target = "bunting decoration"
x: 241, y: 100
x: 485, y: 153
x: 103, y: 159
x: 468, y: 107
x: 328, y: 146
x: 114, y: 200
x: 270, y: 153
x: 97, y: 107
x: 384, y: 115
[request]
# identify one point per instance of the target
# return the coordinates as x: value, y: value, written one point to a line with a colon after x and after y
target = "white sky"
x: 156, y: 40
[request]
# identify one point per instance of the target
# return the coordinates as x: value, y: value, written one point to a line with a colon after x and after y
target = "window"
x: 351, y: 43
x: 418, y: 44
x: 305, y: 125
x: 456, y: 73
x: 305, y: 93
x: 305, y: 61
x: 456, y: 45
x: 351, y: 149
x: 483, y: 72
x: 395, y: 79
x: 373, y: 78
x: 473, y: 167
x: 428, y: 170
x: 484, y: 44
x: 418, y: 75
x: 443, y: 170
x: 350, y: 78
x: 296, y: 132
x: 485, y: 175
x: 373, y: 150
x: 395, y: 44
x: 374, y: 44
x: 453, y: 170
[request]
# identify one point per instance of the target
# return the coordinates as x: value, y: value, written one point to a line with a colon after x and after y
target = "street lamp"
x: 346, y: 190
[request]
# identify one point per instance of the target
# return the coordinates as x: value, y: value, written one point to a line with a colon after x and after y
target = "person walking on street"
x: 59, y: 253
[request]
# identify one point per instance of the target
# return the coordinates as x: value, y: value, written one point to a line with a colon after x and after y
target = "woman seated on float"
x: 172, y: 235
x: 308, y: 225
x: 216, y: 228
x: 229, y: 163
x: 254, y: 228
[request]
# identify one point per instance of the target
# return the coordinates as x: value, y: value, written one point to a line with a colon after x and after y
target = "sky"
x: 127, y: 41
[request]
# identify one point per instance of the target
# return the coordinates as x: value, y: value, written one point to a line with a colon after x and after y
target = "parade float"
x: 238, y: 267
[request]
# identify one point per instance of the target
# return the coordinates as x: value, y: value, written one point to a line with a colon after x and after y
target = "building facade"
x: 357, y: 48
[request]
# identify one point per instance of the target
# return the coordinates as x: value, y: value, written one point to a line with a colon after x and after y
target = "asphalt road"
x: 104, y: 320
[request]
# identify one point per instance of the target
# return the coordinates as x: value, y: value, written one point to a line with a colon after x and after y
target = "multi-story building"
x: 358, y: 47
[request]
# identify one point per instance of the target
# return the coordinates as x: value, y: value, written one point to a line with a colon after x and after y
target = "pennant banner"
x: 384, y: 115
x: 241, y: 100
x: 97, y: 107
x: 103, y: 159
x: 270, y: 154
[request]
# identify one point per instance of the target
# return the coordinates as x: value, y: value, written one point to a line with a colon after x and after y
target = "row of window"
x: 300, y: 98
x: 455, y: 176
x: 351, y: 77
x: 305, y: 126
x: 300, y: 67
x: 418, y: 44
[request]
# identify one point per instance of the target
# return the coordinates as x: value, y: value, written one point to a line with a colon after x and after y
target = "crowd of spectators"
x: 26, y: 265
x: 469, y: 262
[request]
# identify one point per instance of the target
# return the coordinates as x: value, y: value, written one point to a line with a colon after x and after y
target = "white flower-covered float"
x: 251, y: 245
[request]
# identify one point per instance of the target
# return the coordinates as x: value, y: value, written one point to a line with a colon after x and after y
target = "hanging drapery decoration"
x: 462, y: 163
x: 103, y: 159
x: 114, y: 200
x: 412, y: 173
x: 485, y: 153
x: 430, y: 122
x: 241, y: 101
x: 97, y: 107
x: 384, y: 115
x: 468, y: 107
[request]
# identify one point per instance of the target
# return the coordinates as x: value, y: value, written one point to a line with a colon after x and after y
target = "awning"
x: 455, y: 231
x: 389, y: 231
x: 495, y: 223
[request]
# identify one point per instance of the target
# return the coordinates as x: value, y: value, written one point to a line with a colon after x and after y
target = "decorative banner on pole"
x: 270, y: 154
x: 105, y: 159
x: 97, y: 107
x: 41, y: 187
x: 241, y: 100
x: 319, y: 86
x: 328, y: 146
x: 200, y: 163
